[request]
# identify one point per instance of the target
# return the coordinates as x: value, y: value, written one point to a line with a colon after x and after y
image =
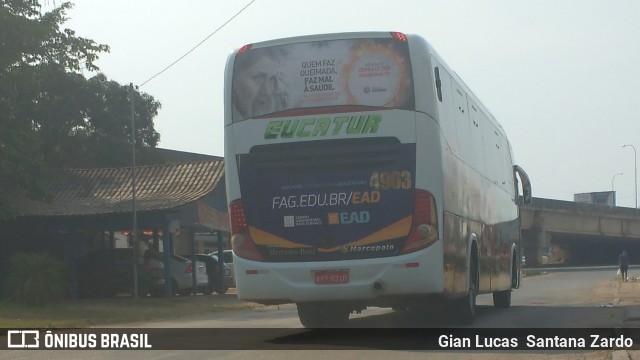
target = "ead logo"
x: 346, y: 217
x: 23, y: 339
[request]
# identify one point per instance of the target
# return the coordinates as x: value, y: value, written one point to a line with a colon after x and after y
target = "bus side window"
x: 476, y: 124
x: 446, y: 117
x: 492, y: 151
x: 506, y: 168
x: 438, y: 83
x: 461, y: 118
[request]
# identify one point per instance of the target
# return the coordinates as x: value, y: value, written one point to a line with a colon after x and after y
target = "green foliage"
x: 32, y: 37
x: 51, y: 116
x: 36, y: 279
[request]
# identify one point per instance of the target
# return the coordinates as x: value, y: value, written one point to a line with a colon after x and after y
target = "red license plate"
x: 331, y: 276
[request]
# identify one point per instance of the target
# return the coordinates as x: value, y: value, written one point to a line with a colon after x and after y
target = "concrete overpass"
x: 566, y: 232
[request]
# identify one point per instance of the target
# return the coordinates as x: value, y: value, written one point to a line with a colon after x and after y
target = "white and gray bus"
x: 361, y: 171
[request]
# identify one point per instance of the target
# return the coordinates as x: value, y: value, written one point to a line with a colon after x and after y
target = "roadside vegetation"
x: 57, y: 109
x: 36, y: 279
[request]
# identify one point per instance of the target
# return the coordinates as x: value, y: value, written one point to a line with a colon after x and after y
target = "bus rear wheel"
x: 314, y: 315
x: 466, y: 306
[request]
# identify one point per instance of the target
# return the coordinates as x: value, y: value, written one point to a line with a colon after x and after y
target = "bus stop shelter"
x: 88, y: 207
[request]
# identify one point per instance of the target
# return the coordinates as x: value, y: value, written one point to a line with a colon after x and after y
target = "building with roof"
x: 177, y: 205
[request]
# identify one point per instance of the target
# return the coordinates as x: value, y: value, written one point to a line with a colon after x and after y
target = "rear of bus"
x: 328, y: 200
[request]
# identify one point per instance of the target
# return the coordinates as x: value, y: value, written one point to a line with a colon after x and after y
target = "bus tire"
x: 467, y: 305
x: 322, y: 315
x: 502, y: 299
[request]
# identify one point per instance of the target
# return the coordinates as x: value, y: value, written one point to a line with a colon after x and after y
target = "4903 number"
x: 385, y: 180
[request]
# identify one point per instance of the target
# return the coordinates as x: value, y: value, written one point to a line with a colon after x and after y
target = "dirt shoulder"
x: 91, y: 313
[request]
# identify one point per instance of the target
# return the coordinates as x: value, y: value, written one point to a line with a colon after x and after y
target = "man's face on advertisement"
x: 256, y: 88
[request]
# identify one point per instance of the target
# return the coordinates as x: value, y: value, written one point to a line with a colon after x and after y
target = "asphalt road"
x: 552, y: 300
x: 577, y: 299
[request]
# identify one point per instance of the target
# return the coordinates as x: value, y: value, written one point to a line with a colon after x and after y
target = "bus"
x: 362, y: 172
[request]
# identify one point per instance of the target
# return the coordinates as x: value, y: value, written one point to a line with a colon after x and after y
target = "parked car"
x: 211, y: 262
x: 181, y: 274
x: 228, y: 259
x: 109, y: 272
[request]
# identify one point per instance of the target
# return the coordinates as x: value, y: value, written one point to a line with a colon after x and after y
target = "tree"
x: 51, y: 116
x: 110, y: 131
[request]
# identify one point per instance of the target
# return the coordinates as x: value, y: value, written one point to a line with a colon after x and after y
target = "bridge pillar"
x: 536, y: 243
x: 544, y: 244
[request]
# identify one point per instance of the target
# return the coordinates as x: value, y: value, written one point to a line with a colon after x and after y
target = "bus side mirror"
x: 526, y: 184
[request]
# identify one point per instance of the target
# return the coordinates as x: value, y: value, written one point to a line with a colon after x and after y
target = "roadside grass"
x: 90, y: 313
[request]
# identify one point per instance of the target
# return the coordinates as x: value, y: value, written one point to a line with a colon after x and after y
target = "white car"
x: 228, y: 261
x: 181, y: 274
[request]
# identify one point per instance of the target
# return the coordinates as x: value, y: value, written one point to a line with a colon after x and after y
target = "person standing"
x: 623, y: 262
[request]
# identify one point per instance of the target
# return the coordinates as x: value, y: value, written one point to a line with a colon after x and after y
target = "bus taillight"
x: 244, y: 49
x: 424, y: 227
x: 241, y: 240
x: 399, y: 36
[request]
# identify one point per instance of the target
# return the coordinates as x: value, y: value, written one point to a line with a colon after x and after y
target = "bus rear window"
x: 360, y: 72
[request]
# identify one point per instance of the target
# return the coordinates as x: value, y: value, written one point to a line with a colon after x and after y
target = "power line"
x: 200, y: 43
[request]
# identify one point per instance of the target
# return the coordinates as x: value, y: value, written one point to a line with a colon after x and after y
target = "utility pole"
x: 134, y: 232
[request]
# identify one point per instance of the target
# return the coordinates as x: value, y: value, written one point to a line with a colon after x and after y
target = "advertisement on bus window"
x: 329, y: 200
x: 364, y: 72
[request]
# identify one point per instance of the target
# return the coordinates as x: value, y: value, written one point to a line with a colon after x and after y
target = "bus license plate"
x: 331, y: 277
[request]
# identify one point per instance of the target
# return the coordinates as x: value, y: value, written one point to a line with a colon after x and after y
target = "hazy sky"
x: 562, y: 77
